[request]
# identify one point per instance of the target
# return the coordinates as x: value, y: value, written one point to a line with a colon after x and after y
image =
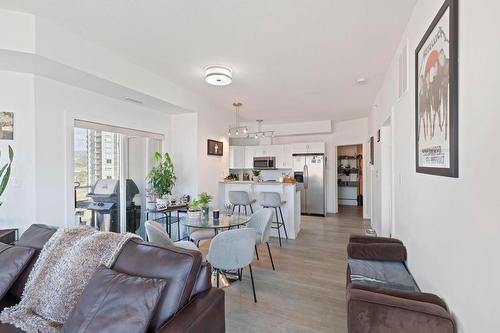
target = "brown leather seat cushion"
x: 179, y: 267
x: 13, y: 261
x: 115, y: 302
x: 35, y: 237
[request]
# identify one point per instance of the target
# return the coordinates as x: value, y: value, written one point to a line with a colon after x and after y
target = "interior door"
x: 315, y: 184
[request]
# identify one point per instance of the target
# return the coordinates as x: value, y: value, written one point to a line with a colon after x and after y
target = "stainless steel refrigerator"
x: 309, y: 170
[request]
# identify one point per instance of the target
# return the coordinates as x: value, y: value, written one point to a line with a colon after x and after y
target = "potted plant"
x: 204, y: 199
x: 256, y: 175
x: 5, y: 172
x: 161, y: 178
x: 194, y: 211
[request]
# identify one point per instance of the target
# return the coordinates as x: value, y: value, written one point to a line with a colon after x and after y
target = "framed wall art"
x: 6, y: 126
x: 436, y: 95
x: 215, y: 147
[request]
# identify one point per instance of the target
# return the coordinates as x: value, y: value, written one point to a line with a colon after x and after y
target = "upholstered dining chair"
x: 261, y: 221
x: 233, y: 250
x: 156, y: 234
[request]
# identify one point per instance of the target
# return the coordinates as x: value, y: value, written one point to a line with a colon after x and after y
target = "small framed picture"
x: 372, y: 150
x: 215, y: 148
x: 6, y: 125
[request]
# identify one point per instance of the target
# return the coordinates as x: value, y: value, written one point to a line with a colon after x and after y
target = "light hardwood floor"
x: 306, y: 293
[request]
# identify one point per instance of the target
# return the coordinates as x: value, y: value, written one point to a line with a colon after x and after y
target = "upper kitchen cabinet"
x: 308, y: 147
x: 284, y: 157
x: 237, y: 157
x: 249, y: 155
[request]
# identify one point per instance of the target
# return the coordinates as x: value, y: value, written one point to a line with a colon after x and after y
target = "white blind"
x: 117, y: 129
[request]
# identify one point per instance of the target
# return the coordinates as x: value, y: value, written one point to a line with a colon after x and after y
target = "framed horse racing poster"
x: 436, y: 95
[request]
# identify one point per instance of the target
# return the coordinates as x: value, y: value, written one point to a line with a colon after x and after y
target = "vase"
x: 205, y: 211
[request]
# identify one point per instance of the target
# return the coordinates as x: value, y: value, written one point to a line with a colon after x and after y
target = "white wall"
x: 344, y: 133
x: 184, y: 152
x: 212, y: 125
x: 16, y: 95
x: 450, y: 226
x: 57, y: 105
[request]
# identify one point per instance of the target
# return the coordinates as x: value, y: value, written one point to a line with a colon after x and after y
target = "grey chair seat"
x: 186, y: 245
x: 240, y: 198
x: 202, y: 234
x: 156, y: 234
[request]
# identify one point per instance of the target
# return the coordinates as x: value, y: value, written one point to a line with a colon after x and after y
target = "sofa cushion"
x: 381, y: 274
x: 179, y: 267
x: 115, y: 302
x: 34, y: 237
x: 13, y: 261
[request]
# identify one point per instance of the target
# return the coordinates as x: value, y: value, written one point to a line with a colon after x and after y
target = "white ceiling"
x: 293, y: 60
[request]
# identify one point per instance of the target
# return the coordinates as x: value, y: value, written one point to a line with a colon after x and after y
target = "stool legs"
x: 278, y: 224
x: 270, y: 255
x: 283, y: 222
x: 256, y: 252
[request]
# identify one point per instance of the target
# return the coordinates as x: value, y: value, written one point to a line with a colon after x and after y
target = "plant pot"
x: 151, y: 205
x: 194, y: 214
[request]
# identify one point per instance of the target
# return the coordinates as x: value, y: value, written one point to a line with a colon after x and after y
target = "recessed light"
x: 361, y: 80
x: 218, y: 75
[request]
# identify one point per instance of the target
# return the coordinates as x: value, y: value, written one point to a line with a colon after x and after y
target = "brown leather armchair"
x: 188, y: 303
x: 372, y: 309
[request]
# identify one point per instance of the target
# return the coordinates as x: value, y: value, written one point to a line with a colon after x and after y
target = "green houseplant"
x: 5, y: 172
x: 256, y: 175
x: 204, y: 200
x: 161, y: 178
x: 194, y: 211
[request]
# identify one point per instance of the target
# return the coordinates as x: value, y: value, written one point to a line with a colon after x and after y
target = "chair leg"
x: 241, y: 273
x: 256, y: 252
x: 251, y: 208
x: 253, y: 284
x: 239, y: 209
x: 234, y: 207
x: 246, y: 210
x: 270, y: 255
x: 283, y: 221
x: 217, y: 278
x: 278, y: 222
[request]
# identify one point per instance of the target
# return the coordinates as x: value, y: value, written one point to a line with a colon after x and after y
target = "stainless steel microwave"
x: 264, y: 163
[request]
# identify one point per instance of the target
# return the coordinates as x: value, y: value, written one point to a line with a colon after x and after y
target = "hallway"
x: 306, y: 293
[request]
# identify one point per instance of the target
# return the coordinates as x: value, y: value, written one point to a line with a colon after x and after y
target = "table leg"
x: 169, y: 221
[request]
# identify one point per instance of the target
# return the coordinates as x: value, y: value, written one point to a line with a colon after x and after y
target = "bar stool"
x: 273, y: 200
x: 240, y: 198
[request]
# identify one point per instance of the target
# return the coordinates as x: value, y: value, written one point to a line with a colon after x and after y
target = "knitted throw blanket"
x: 59, y: 276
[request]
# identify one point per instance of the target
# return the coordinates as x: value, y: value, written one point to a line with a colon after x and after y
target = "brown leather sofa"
x: 188, y: 303
x: 375, y: 309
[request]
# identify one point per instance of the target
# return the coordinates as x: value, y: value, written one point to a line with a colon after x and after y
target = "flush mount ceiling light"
x: 361, y: 80
x: 218, y: 75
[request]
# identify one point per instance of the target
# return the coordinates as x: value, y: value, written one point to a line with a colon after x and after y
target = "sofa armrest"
x: 374, y: 312
x: 377, y: 251
x: 204, y: 313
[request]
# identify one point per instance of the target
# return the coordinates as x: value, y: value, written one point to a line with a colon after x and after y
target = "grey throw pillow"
x: 115, y: 302
x: 13, y: 260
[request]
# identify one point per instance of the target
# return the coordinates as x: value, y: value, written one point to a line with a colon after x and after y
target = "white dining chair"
x: 233, y: 250
x: 262, y: 221
x: 156, y: 234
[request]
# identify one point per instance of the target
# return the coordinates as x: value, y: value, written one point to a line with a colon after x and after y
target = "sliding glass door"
x: 103, y: 156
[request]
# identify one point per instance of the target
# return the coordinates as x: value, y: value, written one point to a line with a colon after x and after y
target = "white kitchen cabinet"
x: 236, y: 157
x: 287, y: 158
x: 308, y: 147
x: 283, y: 156
x: 249, y: 155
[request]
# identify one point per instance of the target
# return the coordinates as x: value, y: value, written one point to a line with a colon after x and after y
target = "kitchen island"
x: 289, y: 192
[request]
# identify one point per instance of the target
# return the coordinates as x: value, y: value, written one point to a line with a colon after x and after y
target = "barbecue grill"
x: 105, y: 203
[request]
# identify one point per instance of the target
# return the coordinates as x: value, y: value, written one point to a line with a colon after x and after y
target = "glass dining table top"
x: 224, y: 221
